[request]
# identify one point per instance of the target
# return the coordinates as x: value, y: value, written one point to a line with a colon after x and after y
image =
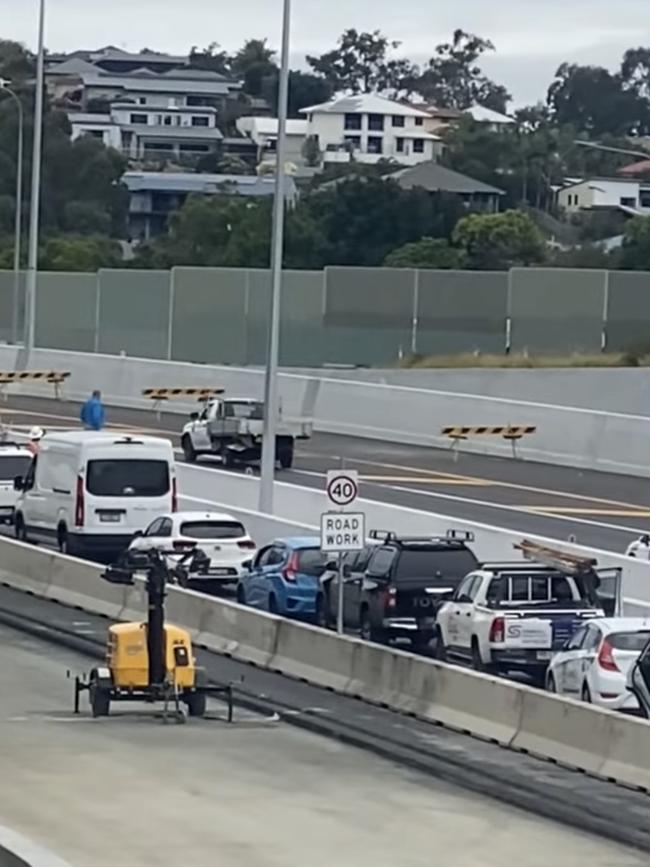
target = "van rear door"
x: 124, y: 493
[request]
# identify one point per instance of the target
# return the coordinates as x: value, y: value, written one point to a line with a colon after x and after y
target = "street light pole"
x: 4, y: 85
x: 277, y: 246
x: 32, y: 258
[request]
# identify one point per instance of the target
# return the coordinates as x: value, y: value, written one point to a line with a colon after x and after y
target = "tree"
x: 635, y: 253
x: 635, y: 71
x: 79, y: 254
x: 304, y: 90
x: 16, y: 62
x: 594, y: 100
x: 311, y: 151
x: 360, y: 64
x: 453, y: 78
x: 211, y: 59
x: 254, y: 63
x: 499, y: 241
x: 427, y: 253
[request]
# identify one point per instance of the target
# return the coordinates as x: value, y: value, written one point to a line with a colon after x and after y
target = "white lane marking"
x: 522, y: 510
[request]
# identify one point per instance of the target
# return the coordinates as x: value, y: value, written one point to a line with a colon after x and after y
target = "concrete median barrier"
x: 249, y: 636
x: 572, y: 733
x: 18, y: 851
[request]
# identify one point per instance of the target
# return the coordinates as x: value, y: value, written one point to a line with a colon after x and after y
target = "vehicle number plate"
x: 109, y: 518
x: 544, y: 654
x: 220, y: 572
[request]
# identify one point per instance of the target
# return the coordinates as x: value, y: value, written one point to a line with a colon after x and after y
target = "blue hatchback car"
x: 284, y: 578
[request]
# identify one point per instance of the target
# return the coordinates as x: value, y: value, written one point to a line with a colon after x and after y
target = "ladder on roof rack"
x: 556, y: 558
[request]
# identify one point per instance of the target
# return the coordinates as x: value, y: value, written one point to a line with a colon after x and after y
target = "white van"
x: 91, y: 492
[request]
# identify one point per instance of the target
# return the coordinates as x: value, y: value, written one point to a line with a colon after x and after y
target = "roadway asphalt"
x: 602, y: 510
x: 264, y: 794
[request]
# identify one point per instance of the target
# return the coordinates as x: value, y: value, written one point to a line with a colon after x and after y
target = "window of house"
x: 374, y: 144
x: 419, y: 121
x: 198, y: 120
x: 95, y: 133
x: 399, y: 145
x: 628, y: 201
x: 352, y: 121
x: 418, y: 146
x: 398, y: 120
x: 139, y: 118
x: 169, y: 119
x: 194, y: 148
x: 353, y: 141
x: 376, y: 122
x: 142, y: 100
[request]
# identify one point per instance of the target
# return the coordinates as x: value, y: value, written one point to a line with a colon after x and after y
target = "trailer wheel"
x: 196, y: 703
x: 99, y: 695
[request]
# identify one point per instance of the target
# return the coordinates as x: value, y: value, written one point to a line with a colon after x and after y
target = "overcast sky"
x: 532, y: 36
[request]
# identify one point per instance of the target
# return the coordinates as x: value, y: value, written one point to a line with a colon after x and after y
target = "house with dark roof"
x: 436, y: 178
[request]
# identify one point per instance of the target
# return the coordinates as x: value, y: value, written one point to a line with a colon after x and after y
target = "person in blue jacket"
x: 92, y: 412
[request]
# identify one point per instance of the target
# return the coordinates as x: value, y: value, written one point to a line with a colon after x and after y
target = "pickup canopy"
x: 542, y: 589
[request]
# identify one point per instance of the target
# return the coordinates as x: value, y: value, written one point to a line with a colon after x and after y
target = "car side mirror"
x: 138, y: 533
x: 194, y: 416
x: 19, y: 483
x: 247, y: 564
x: 464, y: 598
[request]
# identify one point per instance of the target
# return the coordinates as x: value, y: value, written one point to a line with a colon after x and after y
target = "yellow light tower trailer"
x: 150, y: 661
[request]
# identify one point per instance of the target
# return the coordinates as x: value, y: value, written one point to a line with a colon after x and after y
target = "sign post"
x: 342, y: 532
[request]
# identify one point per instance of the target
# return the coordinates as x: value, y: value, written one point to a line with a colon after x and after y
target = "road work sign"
x: 341, y: 532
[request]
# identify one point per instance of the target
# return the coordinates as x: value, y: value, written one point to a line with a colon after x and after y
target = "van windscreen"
x: 127, y: 478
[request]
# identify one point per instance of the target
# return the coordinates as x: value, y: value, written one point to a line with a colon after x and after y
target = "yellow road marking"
x: 425, y: 481
x: 612, y: 513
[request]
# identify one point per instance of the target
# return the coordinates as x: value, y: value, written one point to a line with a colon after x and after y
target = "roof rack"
x: 555, y: 557
x: 450, y: 535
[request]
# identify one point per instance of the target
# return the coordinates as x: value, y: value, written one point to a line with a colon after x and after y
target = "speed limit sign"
x: 342, y: 487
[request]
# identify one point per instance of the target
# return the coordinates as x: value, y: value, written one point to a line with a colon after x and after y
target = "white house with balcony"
x: 142, y: 132
x: 264, y: 132
x: 628, y: 195
x: 368, y: 128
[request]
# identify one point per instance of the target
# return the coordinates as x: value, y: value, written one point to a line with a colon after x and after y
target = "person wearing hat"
x: 35, y: 436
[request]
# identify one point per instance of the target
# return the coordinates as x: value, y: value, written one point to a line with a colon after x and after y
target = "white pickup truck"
x: 513, y: 617
x: 232, y: 428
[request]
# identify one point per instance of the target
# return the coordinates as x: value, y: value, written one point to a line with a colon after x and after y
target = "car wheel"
x: 477, y: 662
x: 19, y: 528
x: 241, y: 595
x: 273, y: 605
x: 551, y: 686
x: 585, y: 694
x: 189, y: 452
x: 440, y: 649
x: 323, y: 616
x: 367, y: 631
x: 62, y: 539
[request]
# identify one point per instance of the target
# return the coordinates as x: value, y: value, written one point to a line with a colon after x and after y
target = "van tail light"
x: 606, y: 657
x: 174, y: 495
x: 390, y: 598
x: 79, y: 507
x: 246, y: 544
x: 498, y: 630
x: 290, y: 570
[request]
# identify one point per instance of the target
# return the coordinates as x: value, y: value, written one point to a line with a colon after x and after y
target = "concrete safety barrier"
x: 17, y: 851
x: 593, y: 740
x: 566, y: 435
